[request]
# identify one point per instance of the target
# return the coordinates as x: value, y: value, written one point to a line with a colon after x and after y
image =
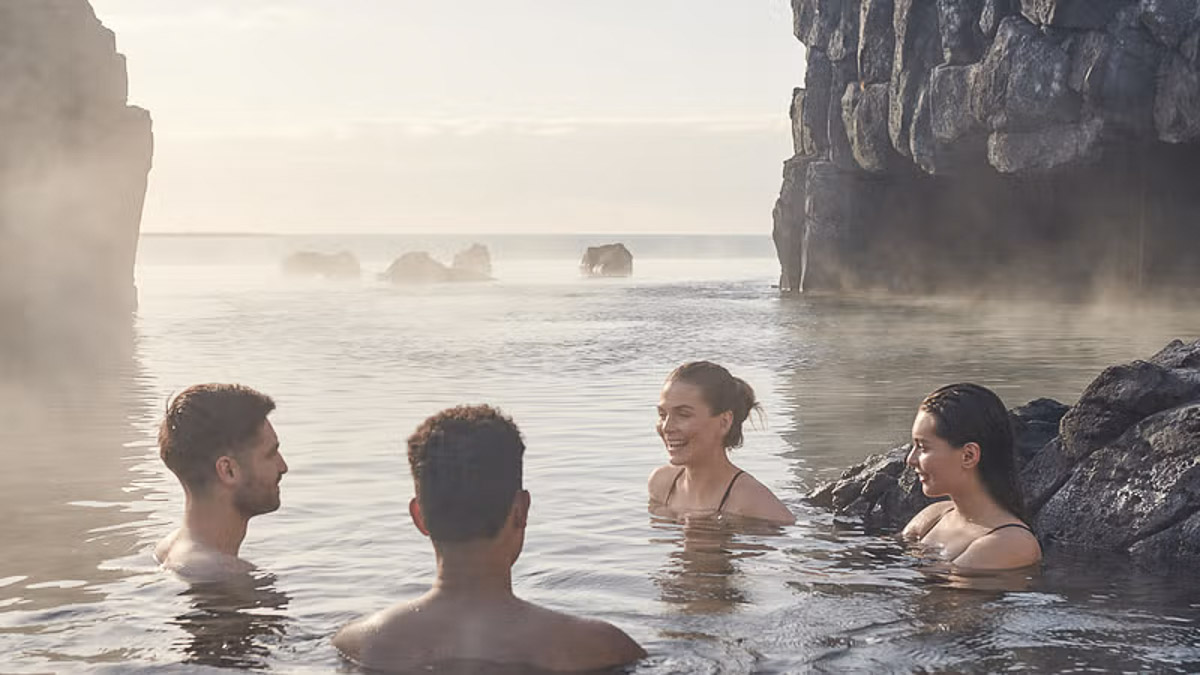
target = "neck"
x: 214, y: 524
x: 975, y: 503
x: 709, y: 472
x: 472, y: 569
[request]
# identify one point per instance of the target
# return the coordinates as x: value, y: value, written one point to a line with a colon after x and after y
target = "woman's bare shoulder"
x: 1002, y: 549
x: 660, y: 481
x: 751, y: 499
x: 921, y: 523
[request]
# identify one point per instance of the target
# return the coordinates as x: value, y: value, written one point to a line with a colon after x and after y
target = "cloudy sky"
x: 470, y: 116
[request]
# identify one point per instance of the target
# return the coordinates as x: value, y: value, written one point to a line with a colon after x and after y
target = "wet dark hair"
x: 206, y: 421
x: 965, y: 413
x: 466, y: 465
x: 721, y: 391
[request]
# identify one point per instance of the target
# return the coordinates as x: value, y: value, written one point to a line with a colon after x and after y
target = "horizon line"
x: 200, y: 233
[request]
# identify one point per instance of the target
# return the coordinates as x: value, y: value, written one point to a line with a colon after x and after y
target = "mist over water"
x: 355, y: 365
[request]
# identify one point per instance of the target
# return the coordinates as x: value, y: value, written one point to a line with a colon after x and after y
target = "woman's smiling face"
x: 687, y: 425
x: 938, y: 464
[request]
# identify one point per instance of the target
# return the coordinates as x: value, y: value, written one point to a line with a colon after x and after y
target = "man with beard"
x: 466, y: 464
x: 217, y: 441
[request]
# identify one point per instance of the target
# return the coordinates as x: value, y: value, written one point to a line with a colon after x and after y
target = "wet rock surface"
x: 1034, y: 131
x: 1119, y: 471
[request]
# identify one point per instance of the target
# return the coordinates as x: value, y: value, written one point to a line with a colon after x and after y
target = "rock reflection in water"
x: 233, y: 624
x: 69, y: 442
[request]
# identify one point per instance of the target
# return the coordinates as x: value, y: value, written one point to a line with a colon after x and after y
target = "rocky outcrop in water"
x: 471, y: 264
x: 1118, y: 471
x: 341, y: 265
x: 74, y: 159
x: 957, y: 144
x: 609, y: 260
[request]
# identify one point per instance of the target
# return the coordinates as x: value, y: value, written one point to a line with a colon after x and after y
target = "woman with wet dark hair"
x: 962, y: 448
x: 700, y: 415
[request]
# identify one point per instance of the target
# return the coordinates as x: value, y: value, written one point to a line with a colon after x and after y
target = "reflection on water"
x: 235, y: 623
x: 355, y: 366
x: 69, y: 442
x: 701, y: 574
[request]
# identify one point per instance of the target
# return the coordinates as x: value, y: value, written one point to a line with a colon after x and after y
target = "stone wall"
x: 961, y: 144
x: 74, y: 159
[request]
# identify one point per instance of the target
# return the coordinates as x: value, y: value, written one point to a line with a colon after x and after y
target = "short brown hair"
x: 466, y: 465
x: 206, y: 421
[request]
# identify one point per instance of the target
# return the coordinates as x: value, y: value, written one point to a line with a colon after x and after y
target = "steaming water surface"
x: 354, y: 366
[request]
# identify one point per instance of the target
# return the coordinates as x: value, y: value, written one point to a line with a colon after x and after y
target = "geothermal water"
x: 354, y: 366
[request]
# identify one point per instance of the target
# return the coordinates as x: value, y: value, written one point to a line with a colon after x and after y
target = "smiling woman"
x: 700, y: 417
x: 962, y: 448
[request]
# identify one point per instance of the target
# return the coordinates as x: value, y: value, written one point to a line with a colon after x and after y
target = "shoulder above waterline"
x: 921, y: 523
x: 1002, y: 549
x: 749, y: 498
x: 659, y: 482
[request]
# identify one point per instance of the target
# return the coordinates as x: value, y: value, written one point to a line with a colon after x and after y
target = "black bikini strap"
x: 672, y: 490
x: 729, y: 489
x: 938, y: 520
x: 1023, y: 526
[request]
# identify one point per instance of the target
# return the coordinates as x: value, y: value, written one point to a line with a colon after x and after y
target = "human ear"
x: 726, y: 421
x: 520, y: 509
x: 970, y: 456
x: 414, y: 511
x: 227, y: 469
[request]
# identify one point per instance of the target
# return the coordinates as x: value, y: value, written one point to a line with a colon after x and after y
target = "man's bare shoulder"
x: 399, y: 636
x: 178, y: 554
x: 583, y: 644
x: 350, y: 639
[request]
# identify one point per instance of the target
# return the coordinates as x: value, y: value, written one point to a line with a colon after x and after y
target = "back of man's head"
x: 466, y: 464
x: 206, y: 421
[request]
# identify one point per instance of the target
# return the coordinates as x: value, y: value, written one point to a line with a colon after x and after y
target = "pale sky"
x: 608, y: 116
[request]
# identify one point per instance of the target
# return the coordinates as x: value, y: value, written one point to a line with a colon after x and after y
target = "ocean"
x: 355, y: 365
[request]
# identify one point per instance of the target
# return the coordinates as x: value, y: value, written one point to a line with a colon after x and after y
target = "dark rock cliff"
x: 74, y: 159
x: 957, y: 144
x: 1118, y: 471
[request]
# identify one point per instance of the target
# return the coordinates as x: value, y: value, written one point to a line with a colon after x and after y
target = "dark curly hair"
x: 466, y: 465
x: 206, y: 421
x: 968, y: 412
x: 721, y: 391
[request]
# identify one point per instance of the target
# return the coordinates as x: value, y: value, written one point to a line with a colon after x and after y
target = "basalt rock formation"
x: 1118, y: 471
x: 609, y: 260
x: 74, y: 159
x: 950, y: 144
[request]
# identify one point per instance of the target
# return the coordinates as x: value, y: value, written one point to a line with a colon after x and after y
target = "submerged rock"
x: 341, y: 265
x: 609, y: 260
x: 1118, y: 471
